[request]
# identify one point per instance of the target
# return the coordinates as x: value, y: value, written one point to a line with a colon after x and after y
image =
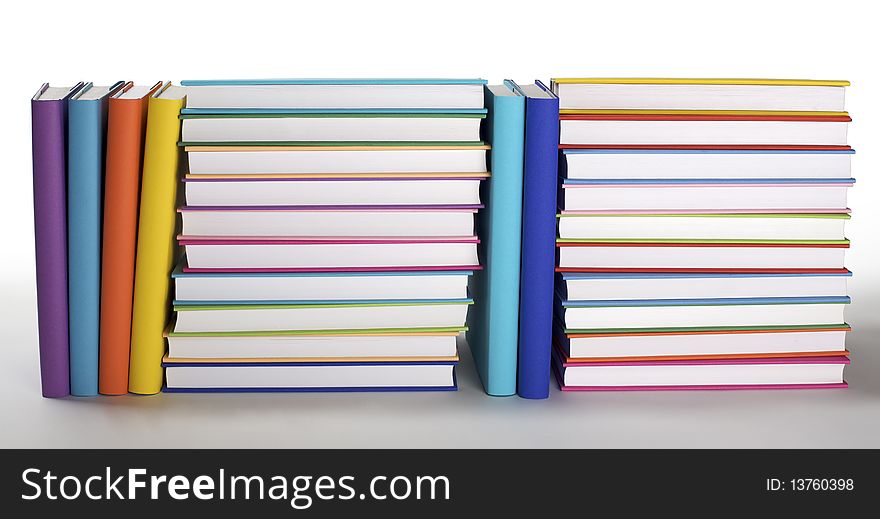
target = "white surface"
x: 758, y: 38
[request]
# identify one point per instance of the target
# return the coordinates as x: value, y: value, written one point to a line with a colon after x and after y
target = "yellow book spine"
x: 699, y: 81
x: 156, y: 246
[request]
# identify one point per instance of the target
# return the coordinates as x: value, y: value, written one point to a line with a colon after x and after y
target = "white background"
x: 99, y: 41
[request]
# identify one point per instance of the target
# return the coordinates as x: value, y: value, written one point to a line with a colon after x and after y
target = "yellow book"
x: 156, y: 246
x: 698, y: 81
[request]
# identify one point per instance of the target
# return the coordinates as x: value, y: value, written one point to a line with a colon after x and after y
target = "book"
x: 234, y: 192
x: 334, y: 160
x: 49, y: 141
x: 323, y: 346
x: 317, y: 254
x: 538, y: 236
x: 87, y: 112
x: 156, y: 251
x: 493, y: 336
x: 607, y: 286
x: 621, y: 227
x: 333, y: 127
x: 390, y: 221
x: 773, y: 373
x: 447, y: 94
x: 705, y: 343
x: 321, y: 315
x: 673, y: 94
x: 721, y: 196
x: 126, y: 123
x: 686, y: 256
x: 632, y: 164
x: 697, y: 313
x: 709, y: 130
x: 310, y: 286
x: 314, y: 376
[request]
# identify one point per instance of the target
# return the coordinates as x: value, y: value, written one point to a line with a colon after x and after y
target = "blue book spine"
x: 495, y: 319
x: 87, y: 127
x: 540, y: 185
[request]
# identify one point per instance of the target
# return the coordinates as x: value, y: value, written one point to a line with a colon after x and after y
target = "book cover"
x: 494, y: 328
x: 540, y: 181
x: 126, y: 123
x: 87, y: 111
x: 49, y: 141
x: 156, y: 250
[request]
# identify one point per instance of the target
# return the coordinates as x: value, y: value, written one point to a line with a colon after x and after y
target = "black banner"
x: 437, y: 483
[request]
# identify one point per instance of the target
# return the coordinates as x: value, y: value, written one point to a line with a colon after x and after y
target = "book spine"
x: 501, y: 232
x: 49, y: 141
x: 88, y: 120
x: 125, y: 141
x: 540, y: 186
x: 156, y: 248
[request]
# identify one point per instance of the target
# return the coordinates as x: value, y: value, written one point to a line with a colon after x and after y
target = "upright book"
x: 538, y: 240
x: 495, y: 323
x: 126, y: 123
x: 87, y: 111
x: 49, y: 140
x: 156, y: 250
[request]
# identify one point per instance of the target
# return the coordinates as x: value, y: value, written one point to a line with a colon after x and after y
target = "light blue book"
x: 494, y: 321
x: 87, y: 126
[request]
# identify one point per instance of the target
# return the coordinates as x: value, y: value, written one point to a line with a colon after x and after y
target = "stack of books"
x: 329, y: 234
x: 701, y: 234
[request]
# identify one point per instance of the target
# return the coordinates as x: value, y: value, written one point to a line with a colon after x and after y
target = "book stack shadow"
x: 701, y: 234
x: 329, y: 234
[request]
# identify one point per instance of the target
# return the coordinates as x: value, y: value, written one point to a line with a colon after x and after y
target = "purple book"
x: 49, y: 127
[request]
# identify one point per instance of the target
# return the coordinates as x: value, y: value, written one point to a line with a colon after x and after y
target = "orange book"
x: 126, y: 123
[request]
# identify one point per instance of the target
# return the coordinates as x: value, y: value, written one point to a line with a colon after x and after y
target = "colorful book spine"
x: 85, y: 183
x: 494, y: 332
x: 538, y: 243
x: 49, y: 134
x: 156, y: 250
x: 126, y: 124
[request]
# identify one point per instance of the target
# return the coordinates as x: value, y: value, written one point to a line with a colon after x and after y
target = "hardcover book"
x: 49, y: 140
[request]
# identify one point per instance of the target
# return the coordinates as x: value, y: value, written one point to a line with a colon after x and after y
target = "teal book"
x: 87, y: 125
x: 494, y: 321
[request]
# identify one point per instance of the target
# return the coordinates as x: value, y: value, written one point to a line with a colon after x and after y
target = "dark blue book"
x: 540, y: 186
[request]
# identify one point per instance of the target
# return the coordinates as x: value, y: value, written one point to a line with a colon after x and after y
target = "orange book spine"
x: 126, y: 122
